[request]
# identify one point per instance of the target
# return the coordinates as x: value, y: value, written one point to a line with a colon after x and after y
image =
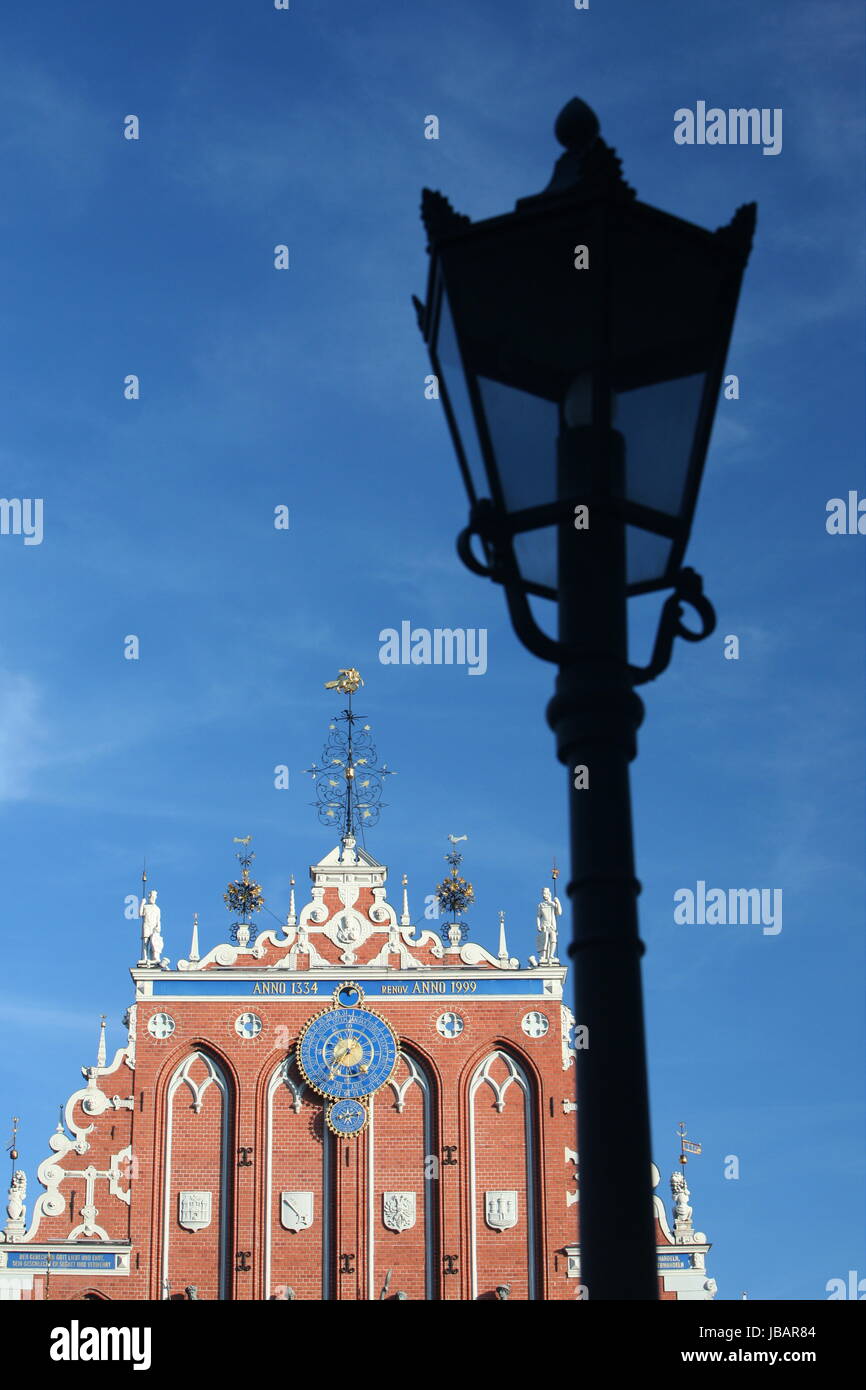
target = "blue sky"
x: 305, y: 388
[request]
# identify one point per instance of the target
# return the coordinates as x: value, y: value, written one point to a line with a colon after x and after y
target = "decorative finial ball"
x: 577, y: 126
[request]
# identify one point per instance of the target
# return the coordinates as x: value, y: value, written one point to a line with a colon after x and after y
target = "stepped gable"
x: 88, y: 1175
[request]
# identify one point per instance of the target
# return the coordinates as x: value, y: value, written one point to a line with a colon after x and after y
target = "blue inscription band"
x: 60, y: 1259
x: 668, y: 1260
x: 373, y: 989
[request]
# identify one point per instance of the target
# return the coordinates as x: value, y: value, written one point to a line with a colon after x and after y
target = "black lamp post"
x: 579, y: 344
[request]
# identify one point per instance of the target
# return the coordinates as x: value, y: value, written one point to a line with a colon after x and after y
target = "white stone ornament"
x: 546, y: 930
x: 160, y: 1026
x: 151, y: 930
x: 682, y: 1212
x: 567, y: 1026
x: 349, y: 929
x: 500, y: 1209
x: 15, y: 1209
x: 398, y: 1210
x: 296, y: 1210
x: 449, y: 1025
x: 194, y: 1210
x: 535, y: 1024
x: 248, y: 1025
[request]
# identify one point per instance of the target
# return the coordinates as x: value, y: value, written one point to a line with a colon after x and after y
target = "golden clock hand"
x: 347, y: 1052
x: 339, y: 1049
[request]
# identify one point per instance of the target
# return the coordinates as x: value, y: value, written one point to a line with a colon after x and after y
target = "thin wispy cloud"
x: 24, y: 735
x: 54, y: 139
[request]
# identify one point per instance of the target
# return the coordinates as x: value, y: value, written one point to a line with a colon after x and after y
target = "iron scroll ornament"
x: 349, y: 780
x: 503, y: 569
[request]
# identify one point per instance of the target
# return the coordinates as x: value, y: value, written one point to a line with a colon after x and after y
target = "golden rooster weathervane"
x: 347, y: 681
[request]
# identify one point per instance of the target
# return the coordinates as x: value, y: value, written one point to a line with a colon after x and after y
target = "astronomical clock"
x: 347, y: 1053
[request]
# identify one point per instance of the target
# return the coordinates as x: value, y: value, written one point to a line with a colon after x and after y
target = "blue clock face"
x: 346, y: 1116
x: 345, y: 1053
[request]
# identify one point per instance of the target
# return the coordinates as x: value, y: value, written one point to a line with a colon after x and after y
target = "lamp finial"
x: 577, y: 126
x: 588, y: 168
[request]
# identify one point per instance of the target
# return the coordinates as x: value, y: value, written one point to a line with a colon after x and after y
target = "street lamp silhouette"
x: 579, y: 344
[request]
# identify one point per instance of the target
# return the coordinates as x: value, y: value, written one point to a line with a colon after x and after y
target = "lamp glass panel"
x: 536, y: 553
x: 523, y: 431
x: 658, y: 423
x: 451, y: 362
x: 647, y: 555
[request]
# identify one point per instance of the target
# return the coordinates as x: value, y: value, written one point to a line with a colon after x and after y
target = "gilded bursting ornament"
x: 348, y: 780
x: 454, y: 894
x: 244, y: 896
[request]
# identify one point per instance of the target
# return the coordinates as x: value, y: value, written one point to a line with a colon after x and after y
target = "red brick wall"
x: 503, y: 1155
x: 197, y: 1156
x: 299, y: 1259
x: 402, y: 1164
x: 399, y: 1156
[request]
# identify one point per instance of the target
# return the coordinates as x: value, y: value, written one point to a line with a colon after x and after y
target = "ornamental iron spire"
x: 349, y: 781
x: 455, y: 894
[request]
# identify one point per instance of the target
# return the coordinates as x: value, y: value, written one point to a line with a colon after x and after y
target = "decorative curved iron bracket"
x: 503, y: 569
x: 689, y: 588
